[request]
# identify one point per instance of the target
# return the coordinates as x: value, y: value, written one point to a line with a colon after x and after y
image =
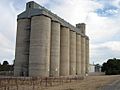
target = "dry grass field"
x: 89, y: 83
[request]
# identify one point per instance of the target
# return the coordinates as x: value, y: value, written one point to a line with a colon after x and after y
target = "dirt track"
x: 89, y: 83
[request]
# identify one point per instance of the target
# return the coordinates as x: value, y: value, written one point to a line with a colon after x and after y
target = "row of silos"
x: 49, y: 49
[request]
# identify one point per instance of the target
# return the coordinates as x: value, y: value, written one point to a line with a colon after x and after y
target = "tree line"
x: 6, y: 66
x: 111, y: 67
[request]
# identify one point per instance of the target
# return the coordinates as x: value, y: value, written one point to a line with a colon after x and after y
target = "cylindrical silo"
x: 64, y: 51
x: 39, y: 59
x: 72, y: 53
x: 55, y: 49
x: 78, y: 54
x: 22, y: 47
x: 83, y: 55
x: 87, y: 54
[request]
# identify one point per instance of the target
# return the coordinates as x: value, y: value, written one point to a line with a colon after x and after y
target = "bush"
x: 112, y: 67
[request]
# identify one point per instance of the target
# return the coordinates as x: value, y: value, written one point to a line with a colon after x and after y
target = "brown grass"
x: 89, y: 83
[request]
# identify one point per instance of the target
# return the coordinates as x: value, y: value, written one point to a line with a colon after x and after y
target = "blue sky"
x: 102, y: 18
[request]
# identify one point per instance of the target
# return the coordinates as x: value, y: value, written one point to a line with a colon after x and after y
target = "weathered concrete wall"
x: 78, y: 55
x: 64, y: 51
x: 81, y: 26
x: 22, y: 47
x: 39, y: 59
x: 72, y: 53
x: 87, y: 55
x: 83, y: 55
x: 55, y: 49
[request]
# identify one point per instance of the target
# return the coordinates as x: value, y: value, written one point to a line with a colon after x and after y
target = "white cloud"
x: 116, y: 3
x: 103, y: 51
x: 7, y: 30
x: 101, y: 29
x: 75, y: 11
x: 111, y: 45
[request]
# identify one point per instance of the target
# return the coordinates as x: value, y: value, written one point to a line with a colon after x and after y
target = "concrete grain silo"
x: 48, y: 46
x: 64, y: 51
x: 55, y: 49
x: 83, y: 55
x: 22, y: 47
x: 87, y: 54
x: 72, y: 53
x: 81, y: 27
x: 78, y: 54
x: 40, y: 46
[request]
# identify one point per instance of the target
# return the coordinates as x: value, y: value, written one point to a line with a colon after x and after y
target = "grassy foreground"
x: 89, y: 83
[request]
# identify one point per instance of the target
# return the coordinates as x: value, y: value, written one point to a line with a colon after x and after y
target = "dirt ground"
x: 89, y: 83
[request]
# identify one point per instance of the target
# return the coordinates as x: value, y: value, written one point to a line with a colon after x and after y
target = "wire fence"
x: 34, y: 83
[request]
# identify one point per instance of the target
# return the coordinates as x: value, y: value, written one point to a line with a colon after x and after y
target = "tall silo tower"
x: 47, y: 45
x: 22, y: 47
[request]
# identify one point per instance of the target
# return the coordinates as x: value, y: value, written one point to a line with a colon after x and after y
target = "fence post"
x: 33, y: 83
x: 16, y: 83
x: 70, y: 79
x: 46, y: 81
x: 8, y: 83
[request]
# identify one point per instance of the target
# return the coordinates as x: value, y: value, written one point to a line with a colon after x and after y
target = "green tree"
x: 6, y: 67
x: 104, y: 67
x: 5, y: 63
x: 111, y: 67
